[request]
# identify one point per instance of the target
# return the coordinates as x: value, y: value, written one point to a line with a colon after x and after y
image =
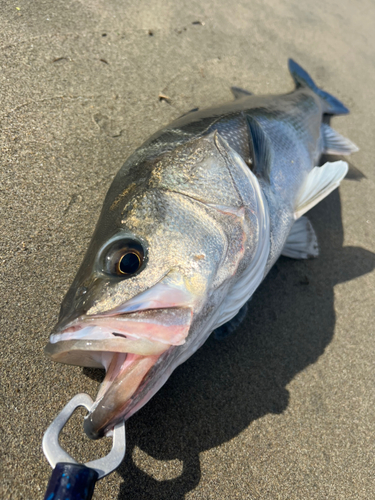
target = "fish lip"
x: 181, y: 319
x: 63, y: 325
x: 90, y: 430
x: 124, y: 387
x: 145, y: 332
x: 106, y: 411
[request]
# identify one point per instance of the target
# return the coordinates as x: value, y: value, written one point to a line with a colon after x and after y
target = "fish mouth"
x: 128, y: 345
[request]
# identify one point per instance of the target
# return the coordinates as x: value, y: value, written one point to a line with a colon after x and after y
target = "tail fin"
x: 332, y: 106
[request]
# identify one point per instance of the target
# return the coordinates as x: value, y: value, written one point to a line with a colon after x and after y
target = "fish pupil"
x: 129, y: 263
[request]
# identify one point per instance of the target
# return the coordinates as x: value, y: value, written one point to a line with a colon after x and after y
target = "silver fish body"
x: 189, y: 228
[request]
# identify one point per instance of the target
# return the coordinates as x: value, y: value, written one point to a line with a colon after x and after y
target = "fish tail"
x: 332, y: 106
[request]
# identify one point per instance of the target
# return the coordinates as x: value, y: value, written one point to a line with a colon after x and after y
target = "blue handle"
x: 71, y: 482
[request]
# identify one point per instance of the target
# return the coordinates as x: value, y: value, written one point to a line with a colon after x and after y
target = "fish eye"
x: 124, y: 258
x: 129, y: 262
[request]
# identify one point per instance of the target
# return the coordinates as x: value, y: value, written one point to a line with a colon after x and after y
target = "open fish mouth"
x: 127, y: 346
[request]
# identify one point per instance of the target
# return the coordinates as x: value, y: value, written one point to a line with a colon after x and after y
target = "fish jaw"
x: 126, y: 377
x: 128, y: 346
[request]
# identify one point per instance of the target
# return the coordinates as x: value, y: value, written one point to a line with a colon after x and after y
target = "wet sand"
x: 283, y: 409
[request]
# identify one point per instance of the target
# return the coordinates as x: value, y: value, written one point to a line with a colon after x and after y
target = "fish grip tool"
x: 71, y: 480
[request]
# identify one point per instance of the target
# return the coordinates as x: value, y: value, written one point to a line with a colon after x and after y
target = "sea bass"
x: 191, y: 225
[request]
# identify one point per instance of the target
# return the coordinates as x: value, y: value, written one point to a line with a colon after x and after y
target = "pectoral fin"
x: 319, y: 183
x: 260, y: 149
x: 302, y: 242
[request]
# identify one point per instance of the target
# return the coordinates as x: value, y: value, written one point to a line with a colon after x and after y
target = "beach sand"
x: 284, y: 408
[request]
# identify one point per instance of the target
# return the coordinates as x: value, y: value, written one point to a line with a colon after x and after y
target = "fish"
x: 189, y: 228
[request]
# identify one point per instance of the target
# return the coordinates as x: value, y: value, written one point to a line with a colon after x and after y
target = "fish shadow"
x: 229, y: 384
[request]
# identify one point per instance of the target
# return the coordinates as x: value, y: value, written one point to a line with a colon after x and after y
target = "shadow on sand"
x: 229, y: 384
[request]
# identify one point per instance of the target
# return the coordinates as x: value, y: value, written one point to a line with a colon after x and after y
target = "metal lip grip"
x: 71, y: 480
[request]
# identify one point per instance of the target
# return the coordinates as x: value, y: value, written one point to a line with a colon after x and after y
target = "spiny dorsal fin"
x: 240, y: 93
x: 319, y: 183
x: 335, y: 143
x: 302, y: 242
x: 188, y: 112
x: 259, y: 149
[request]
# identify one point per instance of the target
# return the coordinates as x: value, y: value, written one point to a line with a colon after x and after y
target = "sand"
x: 283, y: 409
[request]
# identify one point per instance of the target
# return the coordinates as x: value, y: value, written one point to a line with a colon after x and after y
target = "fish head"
x: 174, y: 237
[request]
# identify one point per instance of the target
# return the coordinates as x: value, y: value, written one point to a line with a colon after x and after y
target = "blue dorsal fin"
x: 240, y: 93
x: 260, y: 149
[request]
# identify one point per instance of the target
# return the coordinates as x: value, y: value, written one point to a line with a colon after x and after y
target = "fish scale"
x: 235, y: 132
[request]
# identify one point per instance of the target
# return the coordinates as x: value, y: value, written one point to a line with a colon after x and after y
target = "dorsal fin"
x: 240, y: 93
x: 260, y: 151
x: 188, y: 112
